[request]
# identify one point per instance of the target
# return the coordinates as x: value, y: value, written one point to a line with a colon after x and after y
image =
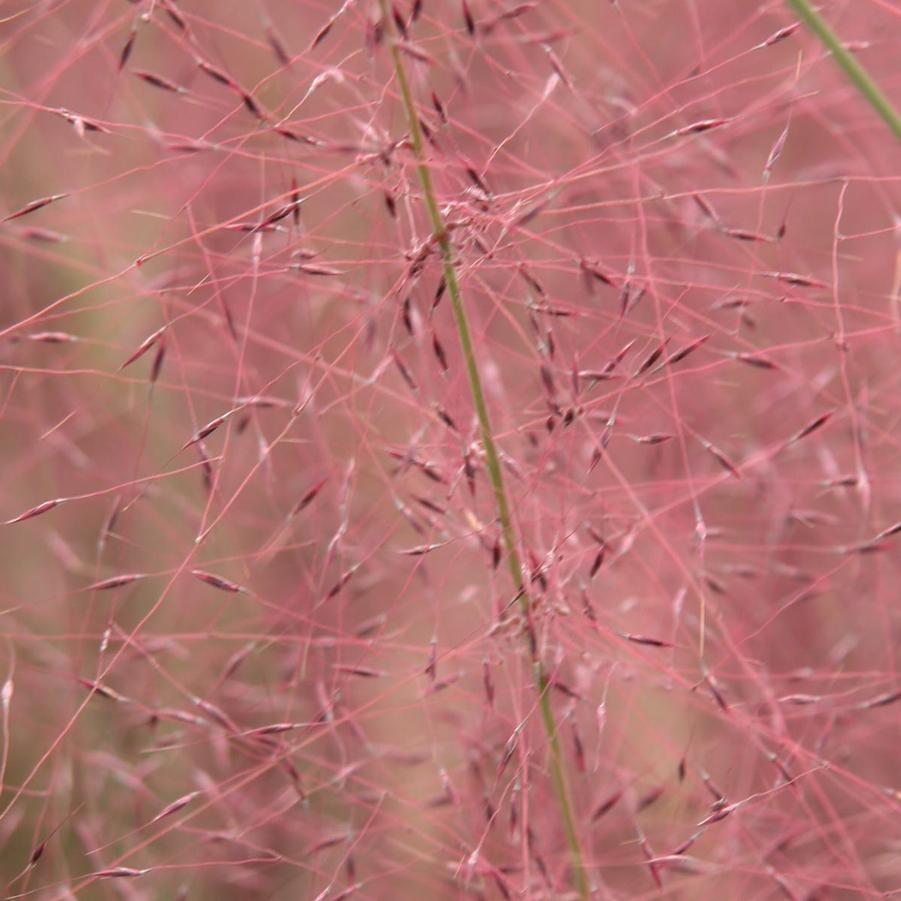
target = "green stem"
x: 495, y: 474
x: 858, y: 75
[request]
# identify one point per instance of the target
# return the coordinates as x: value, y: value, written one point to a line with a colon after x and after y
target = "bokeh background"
x: 714, y: 596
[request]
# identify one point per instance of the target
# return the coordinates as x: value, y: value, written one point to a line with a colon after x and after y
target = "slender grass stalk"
x: 858, y: 75
x: 557, y: 766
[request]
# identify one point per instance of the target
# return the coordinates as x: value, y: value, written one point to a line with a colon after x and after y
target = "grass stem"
x: 853, y: 69
x: 556, y: 763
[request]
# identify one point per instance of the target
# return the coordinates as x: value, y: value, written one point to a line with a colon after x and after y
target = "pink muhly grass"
x: 450, y: 449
